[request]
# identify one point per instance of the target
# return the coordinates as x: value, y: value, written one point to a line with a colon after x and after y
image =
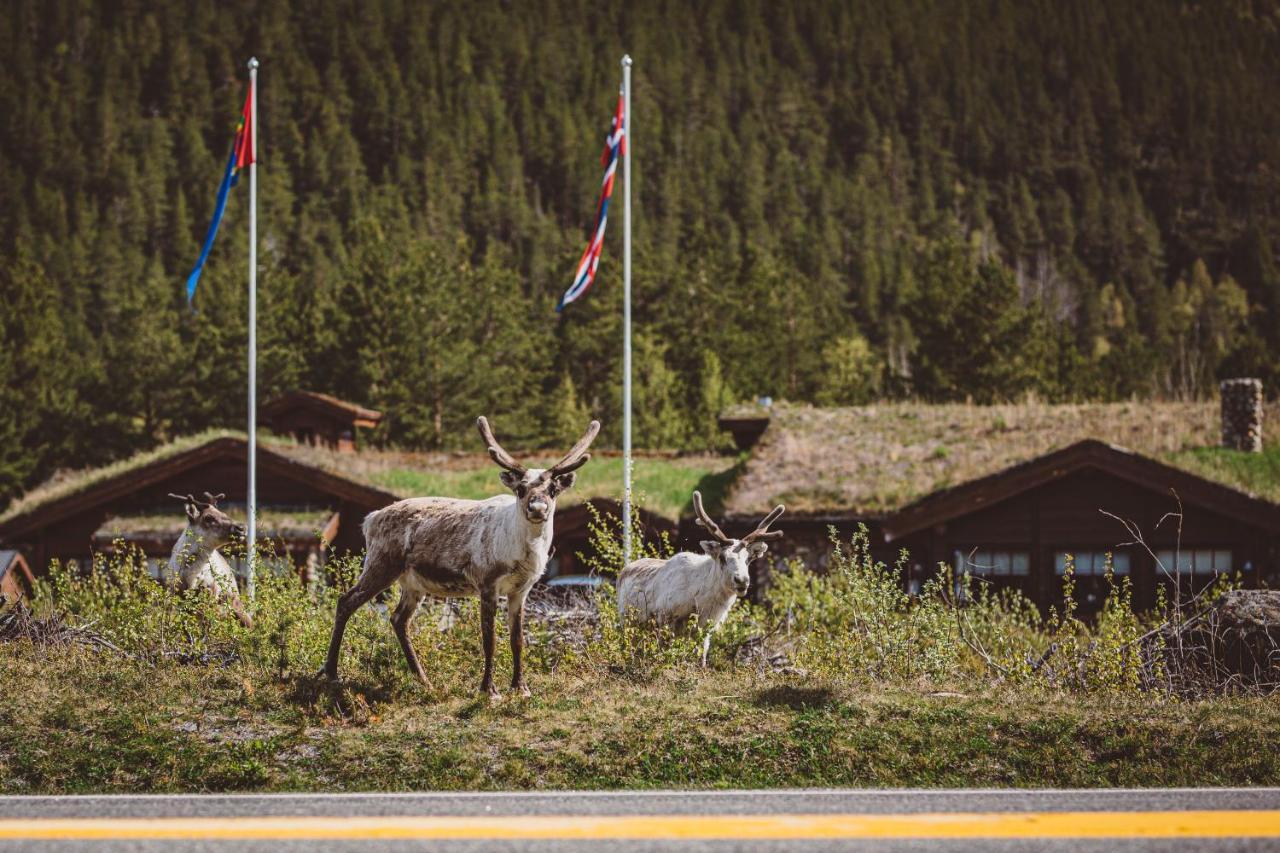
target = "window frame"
x: 1097, y: 560
x: 962, y: 564
x: 1190, y: 556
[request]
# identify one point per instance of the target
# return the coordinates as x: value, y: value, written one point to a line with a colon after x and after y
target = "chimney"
x: 1242, y: 414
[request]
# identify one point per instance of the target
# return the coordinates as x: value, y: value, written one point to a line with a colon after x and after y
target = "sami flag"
x: 614, y: 145
x: 241, y: 155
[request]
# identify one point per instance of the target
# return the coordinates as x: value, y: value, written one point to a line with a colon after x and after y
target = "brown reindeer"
x: 195, y: 562
x: 450, y: 548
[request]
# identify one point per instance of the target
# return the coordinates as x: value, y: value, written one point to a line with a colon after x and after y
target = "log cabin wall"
x: 1065, y: 516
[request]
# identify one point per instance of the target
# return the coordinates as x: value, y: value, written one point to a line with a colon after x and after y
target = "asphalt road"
x: 800, y: 820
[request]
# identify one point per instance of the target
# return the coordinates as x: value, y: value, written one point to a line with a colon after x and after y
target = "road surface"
x: 1214, y: 819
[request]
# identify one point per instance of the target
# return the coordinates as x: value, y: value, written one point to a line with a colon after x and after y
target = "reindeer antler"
x: 762, y: 530
x: 578, y: 455
x: 496, y: 453
x: 185, y: 498
x: 704, y: 521
x: 213, y: 499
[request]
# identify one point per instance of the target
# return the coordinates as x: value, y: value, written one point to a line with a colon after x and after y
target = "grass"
x: 296, y: 521
x: 875, y: 688
x: 862, y: 461
x: 664, y: 483
x: 66, y: 483
x: 1256, y: 473
x: 665, y: 480
x: 870, y: 460
x: 69, y: 724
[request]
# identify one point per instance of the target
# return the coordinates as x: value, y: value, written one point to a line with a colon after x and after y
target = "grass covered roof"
x: 870, y: 460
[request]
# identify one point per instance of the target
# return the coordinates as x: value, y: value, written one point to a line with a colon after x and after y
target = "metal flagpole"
x: 252, y: 501
x: 626, y: 309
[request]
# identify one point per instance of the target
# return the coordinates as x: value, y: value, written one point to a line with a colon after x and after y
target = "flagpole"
x: 626, y: 309
x: 252, y: 501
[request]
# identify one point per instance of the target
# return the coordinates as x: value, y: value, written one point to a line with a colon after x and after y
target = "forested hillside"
x: 833, y: 201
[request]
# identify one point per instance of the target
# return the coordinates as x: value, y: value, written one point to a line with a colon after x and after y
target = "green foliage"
x: 1008, y: 209
x: 858, y: 624
x: 851, y: 372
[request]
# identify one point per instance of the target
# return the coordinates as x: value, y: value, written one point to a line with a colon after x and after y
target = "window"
x: 1092, y: 563
x: 1196, y: 561
x: 988, y: 563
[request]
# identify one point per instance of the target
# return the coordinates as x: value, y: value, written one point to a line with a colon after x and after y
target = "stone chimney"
x: 1242, y: 414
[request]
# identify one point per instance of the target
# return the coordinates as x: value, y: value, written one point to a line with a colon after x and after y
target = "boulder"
x: 1243, y: 635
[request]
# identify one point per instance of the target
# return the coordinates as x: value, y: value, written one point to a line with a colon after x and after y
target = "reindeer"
x: 449, y: 548
x: 695, y: 589
x: 195, y: 562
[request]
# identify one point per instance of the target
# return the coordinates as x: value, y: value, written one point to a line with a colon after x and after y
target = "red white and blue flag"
x: 614, y: 147
x: 242, y: 154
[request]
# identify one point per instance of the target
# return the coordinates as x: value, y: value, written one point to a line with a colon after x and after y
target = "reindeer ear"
x: 711, y: 547
x: 757, y: 549
x: 193, y: 511
x: 564, y: 482
x: 511, y: 479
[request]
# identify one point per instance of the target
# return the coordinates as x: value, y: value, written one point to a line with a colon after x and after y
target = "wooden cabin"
x: 319, y: 420
x: 305, y: 511
x: 1010, y: 494
x: 1020, y: 527
x: 311, y: 503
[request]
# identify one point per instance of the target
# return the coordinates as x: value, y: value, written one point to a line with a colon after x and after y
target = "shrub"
x: 855, y: 624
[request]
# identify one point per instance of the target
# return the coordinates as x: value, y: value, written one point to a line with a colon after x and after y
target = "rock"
x: 1248, y: 610
x: 1243, y: 636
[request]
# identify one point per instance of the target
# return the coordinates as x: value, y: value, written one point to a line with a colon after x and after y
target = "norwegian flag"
x: 614, y: 146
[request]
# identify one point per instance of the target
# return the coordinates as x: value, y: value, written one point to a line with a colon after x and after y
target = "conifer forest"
x: 834, y: 202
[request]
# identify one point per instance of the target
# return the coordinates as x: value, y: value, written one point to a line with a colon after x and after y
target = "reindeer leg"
x: 488, y: 634
x: 237, y: 607
x: 377, y: 576
x: 515, y: 625
x: 400, y: 621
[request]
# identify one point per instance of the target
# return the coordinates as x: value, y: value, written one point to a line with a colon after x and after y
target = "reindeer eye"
x: 522, y: 490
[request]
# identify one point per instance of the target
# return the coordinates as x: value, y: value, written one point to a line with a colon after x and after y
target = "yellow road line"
x: 1183, y: 824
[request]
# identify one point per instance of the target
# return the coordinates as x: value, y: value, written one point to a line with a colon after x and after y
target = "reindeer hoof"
x: 490, y: 691
x: 522, y: 689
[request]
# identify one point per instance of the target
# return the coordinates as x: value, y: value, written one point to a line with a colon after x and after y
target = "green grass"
x: 1256, y: 473
x: 70, y: 724
x: 664, y: 485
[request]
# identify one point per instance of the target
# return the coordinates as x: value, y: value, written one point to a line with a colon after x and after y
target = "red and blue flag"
x: 614, y: 147
x: 242, y: 154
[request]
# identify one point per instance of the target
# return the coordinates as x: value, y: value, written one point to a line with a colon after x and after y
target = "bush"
x: 854, y: 625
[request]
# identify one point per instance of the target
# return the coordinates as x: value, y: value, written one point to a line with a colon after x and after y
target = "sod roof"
x: 851, y: 462
x: 662, y: 482
x: 871, y: 460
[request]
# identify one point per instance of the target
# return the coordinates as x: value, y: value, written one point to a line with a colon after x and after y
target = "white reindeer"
x: 448, y: 548
x: 690, y: 589
x: 194, y: 562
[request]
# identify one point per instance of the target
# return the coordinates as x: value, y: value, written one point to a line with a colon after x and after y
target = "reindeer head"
x: 735, y: 555
x: 536, y: 489
x: 214, y: 527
